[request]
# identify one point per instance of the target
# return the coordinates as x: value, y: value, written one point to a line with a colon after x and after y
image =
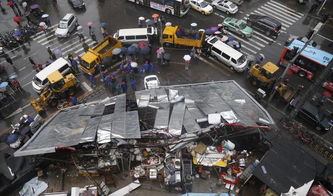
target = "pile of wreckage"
x: 172, y: 135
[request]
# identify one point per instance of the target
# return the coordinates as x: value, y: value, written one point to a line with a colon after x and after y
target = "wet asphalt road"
x: 122, y: 14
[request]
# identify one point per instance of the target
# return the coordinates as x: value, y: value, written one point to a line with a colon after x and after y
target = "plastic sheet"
x: 176, y: 118
x: 162, y: 117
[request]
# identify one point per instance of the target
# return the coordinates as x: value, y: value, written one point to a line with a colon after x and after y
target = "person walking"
x: 17, y: 7
x: 2, y: 8
x: 75, y: 65
x: 32, y: 62
x: 18, y: 20
x: 92, y: 80
x: 104, y: 32
x: 92, y: 33
x: 73, y: 100
x: 133, y: 84
x: 16, y: 85
x: 146, y: 66
x: 51, y: 53
x: 8, y: 59
x: 187, y: 59
x: 159, y: 54
x: 79, y: 30
x: 123, y: 85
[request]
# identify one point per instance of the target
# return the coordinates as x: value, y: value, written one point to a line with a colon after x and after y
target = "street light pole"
x: 291, y: 62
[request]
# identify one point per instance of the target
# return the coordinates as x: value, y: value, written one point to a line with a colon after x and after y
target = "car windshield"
x: 151, y: 79
x: 62, y: 25
x: 242, y: 25
x: 203, y: 4
x: 232, y: 6
x: 241, y: 60
x: 37, y: 81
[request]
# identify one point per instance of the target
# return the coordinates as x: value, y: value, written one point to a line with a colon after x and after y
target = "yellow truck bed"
x: 106, y: 46
x: 187, y: 39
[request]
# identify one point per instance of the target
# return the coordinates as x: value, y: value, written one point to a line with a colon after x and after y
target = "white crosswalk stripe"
x: 274, y: 9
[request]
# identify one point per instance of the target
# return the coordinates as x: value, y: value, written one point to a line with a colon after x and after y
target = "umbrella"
x: 34, y: 6
x: 155, y: 16
x: 3, y: 86
x: 187, y: 57
x: 208, y: 32
x: 231, y: 38
x: 135, y: 45
x: 17, y: 19
x: 217, y: 32
x: 89, y: 23
x: 24, y: 4
x: 45, y: 15
x: 219, y: 25
x: 58, y: 52
x: 213, y: 29
x: 42, y: 24
x: 134, y: 64
x: 13, y: 76
x: 132, y: 50
x: 168, y: 24
x: 123, y: 50
x: 12, y: 138
x: 17, y: 32
x: 116, y: 51
x: 141, y: 18
x: 142, y: 44
x: 167, y: 56
x: 194, y: 24
x: 149, y: 22
x: 145, y: 50
x: 103, y: 24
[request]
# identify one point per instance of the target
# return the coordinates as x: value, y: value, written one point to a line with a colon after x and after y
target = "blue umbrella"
x: 3, y: 84
x: 17, y: 32
x: 132, y: 50
x: 13, y: 76
x: 145, y: 50
x: 208, y: 31
x: 103, y: 24
x: 149, y: 22
x: 123, y: 50
x: 12, y: 138
x: 231, y: 38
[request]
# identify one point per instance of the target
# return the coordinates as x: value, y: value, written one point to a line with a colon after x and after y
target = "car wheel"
x: 203, y: 13
x: 215, y: 57
x: 232, y: 68
x: 302, y: 74
x: 243, y: 35
x: 168, y: 11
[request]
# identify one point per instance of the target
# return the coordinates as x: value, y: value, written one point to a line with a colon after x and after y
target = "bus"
x: 310, y: 62
x: 173, y: 7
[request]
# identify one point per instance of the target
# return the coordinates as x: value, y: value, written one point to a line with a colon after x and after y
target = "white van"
x: 227, y: 55
x: 129, y: 36
x: 39, y: 81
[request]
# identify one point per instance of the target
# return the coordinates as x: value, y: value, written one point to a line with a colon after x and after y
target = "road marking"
x: 41, y: 32
x: 48, y: 32
x: 281, y: 5
x: 83, y: 48
x: 283, y: 14
x: 79, y: 45
x: 41, y: 40
x: 258, y: 38
x: 252, y: 51
x: 275, y: 14
x: 218, y: 15
x: 22, y: 68
x: 324, y: 37
x: 262, y: 35
x: 293, y: 13
x: 276, y: 18
x: 26, y: 84
x: 86, y: 86
x: 69, y: 46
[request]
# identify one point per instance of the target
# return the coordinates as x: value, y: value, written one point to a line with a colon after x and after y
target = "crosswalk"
x: 71, y: 45
x: 274, y: 9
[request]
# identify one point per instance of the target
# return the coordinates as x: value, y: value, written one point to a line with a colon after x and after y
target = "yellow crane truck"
x: 95, y: 55
x: 60, y: 87
x: 263, y: 75
x: 177, y: 36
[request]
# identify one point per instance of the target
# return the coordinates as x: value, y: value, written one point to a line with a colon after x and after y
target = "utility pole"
x: 291, y: 62
x: 321, y: 7
x: 320, y: 79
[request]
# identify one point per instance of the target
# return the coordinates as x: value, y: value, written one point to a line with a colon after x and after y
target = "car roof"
x: 309, y: 107
x: 266, y: 19
x: 226, y: 2
x: 67, y: 16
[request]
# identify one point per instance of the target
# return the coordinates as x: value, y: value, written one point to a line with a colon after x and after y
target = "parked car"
x: 237, y: 26
x: 151, y: 81
x: 77, y: 4
x: 313, y: 115
x: 201, y: 6
x: 269, y: 26
x: 66, y: 25
x: 225, y: 6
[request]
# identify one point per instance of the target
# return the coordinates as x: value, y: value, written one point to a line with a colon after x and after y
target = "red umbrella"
x: 17, y: 19
x: 142, y: 44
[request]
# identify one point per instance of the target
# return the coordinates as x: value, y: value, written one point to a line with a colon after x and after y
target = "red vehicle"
x: 310, y: 62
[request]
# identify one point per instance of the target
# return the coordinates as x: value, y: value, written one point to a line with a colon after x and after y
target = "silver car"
x: 225, y: 6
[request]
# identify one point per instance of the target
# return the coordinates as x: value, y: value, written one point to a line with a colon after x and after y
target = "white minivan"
x: 134, y: 35
x: 40, y: 81
x: 232, y: 58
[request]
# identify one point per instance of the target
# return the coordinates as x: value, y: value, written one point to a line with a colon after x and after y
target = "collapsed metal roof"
x: 175, y: 109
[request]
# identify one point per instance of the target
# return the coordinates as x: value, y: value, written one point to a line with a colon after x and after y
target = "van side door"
x: 216, y: 53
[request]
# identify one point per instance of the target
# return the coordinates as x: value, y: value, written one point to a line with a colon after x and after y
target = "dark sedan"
x: 265, y: 24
